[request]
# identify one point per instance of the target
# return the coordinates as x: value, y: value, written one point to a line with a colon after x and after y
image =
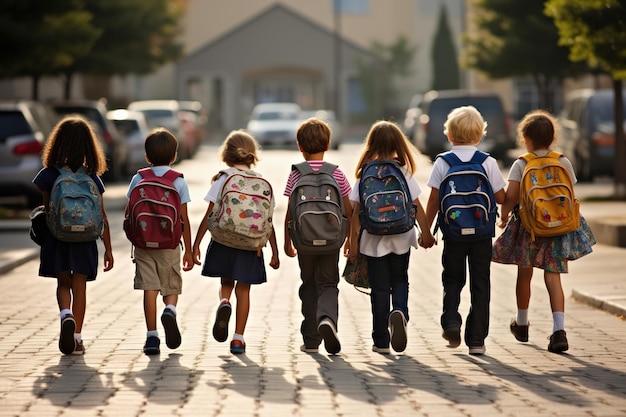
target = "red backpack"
x: 152, y: 218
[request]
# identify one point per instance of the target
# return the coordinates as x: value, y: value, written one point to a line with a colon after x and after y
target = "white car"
x: 133, y: 127
x: 275, y: 123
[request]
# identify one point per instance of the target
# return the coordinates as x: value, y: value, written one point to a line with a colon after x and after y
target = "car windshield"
x: 276, y: 115
x: 126, y: 127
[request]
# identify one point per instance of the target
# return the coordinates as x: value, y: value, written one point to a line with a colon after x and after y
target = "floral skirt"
x: 515, y: 246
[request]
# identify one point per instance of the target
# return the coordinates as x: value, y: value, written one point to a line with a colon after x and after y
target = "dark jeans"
x: 319, y: 293
x: 456, y: 257
x: 387, y: 275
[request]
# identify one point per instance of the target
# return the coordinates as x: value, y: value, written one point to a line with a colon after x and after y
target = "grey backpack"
x: 318, y: 223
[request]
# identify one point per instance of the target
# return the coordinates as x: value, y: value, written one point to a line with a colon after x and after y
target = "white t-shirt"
x: 465, y: 153
x: 378, y: 245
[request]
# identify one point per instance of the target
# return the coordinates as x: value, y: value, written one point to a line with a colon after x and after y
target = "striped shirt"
x: 338, y: 175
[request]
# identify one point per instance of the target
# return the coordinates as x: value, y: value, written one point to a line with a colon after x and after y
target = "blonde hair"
x: 385, y: 140
x: 239, y: 148
x: 465, y: 126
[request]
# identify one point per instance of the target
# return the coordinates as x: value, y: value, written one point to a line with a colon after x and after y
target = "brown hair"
x: 161, y: 146
x: 73, y: 142
x: 313, y: 136
x: 385, y: 140
x: 539, y: 127
x: 239, y: 147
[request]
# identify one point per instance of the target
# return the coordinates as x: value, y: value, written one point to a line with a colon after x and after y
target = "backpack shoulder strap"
x: 554, y: 154
x: 172, y: 175
x: 450, y: 158
x: 479, y: 157
x: 328, y: 168
x: 146, y: 173
x: 303, y: 167
x: 529, y: 156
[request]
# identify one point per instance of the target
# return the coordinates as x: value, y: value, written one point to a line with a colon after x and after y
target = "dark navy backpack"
x: 386, y: 205
x: 467, y: 206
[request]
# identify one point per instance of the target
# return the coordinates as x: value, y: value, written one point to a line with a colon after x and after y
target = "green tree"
x: 42, y: 38
x: 516, y: 39
x: 446, y: 73
x: 137, y: 37
x: 377, y: 77
x: 593, y: 31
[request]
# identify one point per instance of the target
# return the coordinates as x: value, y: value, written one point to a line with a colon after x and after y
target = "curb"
x: 599, y: 303
x: 13, y: 258
x: 609, y: 230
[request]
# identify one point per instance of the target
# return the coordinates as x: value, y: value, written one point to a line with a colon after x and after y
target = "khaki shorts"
x: 158, y: 270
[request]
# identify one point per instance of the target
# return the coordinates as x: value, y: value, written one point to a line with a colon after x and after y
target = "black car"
x: 434, y: 109
x: 588, y: 132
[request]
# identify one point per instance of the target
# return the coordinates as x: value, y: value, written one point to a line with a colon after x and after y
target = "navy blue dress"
x: 57, y: 256
x: 238, y: 264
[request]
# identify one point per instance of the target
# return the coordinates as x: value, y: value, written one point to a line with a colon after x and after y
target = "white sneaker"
x: 305, y: 349
x: 382, y: 350
x: 477, y: 350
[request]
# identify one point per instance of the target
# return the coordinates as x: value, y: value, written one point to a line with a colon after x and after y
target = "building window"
x: 351, y: 6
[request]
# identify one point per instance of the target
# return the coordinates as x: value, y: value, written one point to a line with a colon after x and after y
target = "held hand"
x: 196, y: 256
x: 427, y: 240
x: 188, y: 261
x: 289, y: 250
x: 504, y: 219
x: 275, y: 262
x: 108, y: 261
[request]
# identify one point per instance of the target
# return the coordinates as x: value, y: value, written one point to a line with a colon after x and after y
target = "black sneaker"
x: 453, y: 335
x: 519, y: 331
x: 172, y: 334
x: 558, y: 342
x: 220, y: 328
x: 66, y: 339
x: 327, y: 330
x: 152, y: 346
x: 397, y: 326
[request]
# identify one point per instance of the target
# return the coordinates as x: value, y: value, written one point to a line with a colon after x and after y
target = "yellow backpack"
x: 548, y: 206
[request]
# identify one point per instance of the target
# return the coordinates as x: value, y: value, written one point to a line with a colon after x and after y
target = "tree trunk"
x: 35, y: 80
x: 620, y: 144
x: 67, y: 93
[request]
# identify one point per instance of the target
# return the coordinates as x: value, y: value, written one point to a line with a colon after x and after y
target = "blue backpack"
x: 467, y: 206
x: 75, y: 207
x: 386, y: 205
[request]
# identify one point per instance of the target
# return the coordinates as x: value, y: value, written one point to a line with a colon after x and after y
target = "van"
x: 588, y: 132
x: 428, y: 135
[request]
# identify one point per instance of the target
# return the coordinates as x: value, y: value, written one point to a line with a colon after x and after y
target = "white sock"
x: 239, y: 337
x: 522, y: 317
x: 78, y: 337
x: 558, y: 320
x: 171, y: 307
x: 65, y: 312
x: 154, y: 333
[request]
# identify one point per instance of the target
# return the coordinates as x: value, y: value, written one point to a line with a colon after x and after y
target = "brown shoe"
x: 79, y: 349
x: 558, y: 342
x: 519, y: 331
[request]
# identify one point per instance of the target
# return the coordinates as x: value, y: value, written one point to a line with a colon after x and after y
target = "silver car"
x: 24, y: 127
x: 275, y: 123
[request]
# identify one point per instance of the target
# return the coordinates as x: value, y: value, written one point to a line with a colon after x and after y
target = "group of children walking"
x: 385, y: 251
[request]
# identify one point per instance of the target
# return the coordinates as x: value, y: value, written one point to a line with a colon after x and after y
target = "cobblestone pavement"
x: 114, y: 378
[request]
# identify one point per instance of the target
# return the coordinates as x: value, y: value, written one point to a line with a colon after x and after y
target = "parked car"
x: 133, y: 127
x: 336, y: 129
x: 411, y: 115
x: 275, y: 123
x: 115, y: 147
x: 435, y: 107
x: 588, y: 132
x: 167, y: 114
x: 24, y: 128
x: 198, y: 117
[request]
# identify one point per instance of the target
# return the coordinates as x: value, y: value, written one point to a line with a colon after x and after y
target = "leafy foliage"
x: 446, y: 73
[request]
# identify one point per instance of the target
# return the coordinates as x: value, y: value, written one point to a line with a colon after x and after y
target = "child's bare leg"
x: 553, y: 284
x: 522, y: 287
x: 79, y: 299
x: 227, y: 288
x: 64, y: 295
x: 171, y: 300
x: 150, y: 308
x: 242, y: 292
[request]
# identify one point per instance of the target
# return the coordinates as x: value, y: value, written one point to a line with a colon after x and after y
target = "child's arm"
x: 355, y: 228
x: 106, y: 239
x: 347, y: 206
x: 510, y: 200
x: 428, y: 240
x: 275, y: 262
x: 432, y: 206
x: 187, y: 254
x: 288, y: 247
x: 202, y: 228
